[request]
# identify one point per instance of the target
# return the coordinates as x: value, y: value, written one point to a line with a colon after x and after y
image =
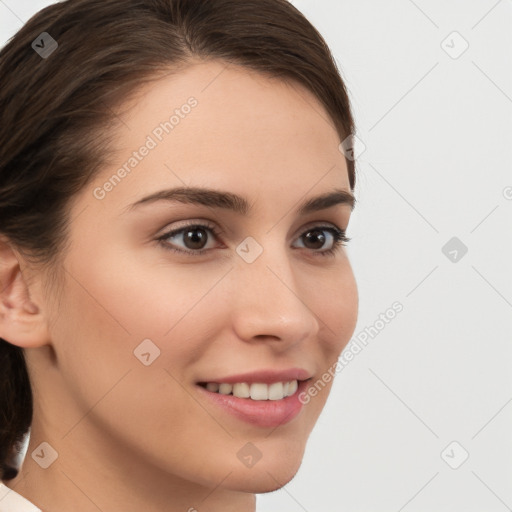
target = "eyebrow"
x: 238, y: 204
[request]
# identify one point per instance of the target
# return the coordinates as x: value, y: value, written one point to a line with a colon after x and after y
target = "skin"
x: 133, y: 437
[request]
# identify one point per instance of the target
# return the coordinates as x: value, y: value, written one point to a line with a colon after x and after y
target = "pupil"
x: 318, y: 237
x: 197, y: 241
x: 196, y: 238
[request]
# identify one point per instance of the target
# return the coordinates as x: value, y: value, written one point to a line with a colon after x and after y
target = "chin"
x: 266, y: 476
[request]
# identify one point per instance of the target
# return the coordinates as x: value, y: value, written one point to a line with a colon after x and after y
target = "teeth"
x: 292, y: 387
x: 225, y: 389
x: 255, y: 391
x: 241, y: 390
x: 275, y: 391
x: 259, y: 391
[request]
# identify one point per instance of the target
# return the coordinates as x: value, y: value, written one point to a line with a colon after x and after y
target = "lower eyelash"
x: 339, y: 237
x: 167, y: 246
x: 340, y: 240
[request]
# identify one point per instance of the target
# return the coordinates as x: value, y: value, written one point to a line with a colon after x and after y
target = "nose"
x: 269, y: 301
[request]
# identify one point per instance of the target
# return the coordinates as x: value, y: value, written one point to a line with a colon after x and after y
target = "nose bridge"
x: 267, y: 300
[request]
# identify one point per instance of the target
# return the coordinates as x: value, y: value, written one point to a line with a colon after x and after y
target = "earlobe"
x: 22, y: 322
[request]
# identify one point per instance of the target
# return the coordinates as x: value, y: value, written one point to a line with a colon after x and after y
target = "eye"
x: 194, y: 239
x: 315, y: 238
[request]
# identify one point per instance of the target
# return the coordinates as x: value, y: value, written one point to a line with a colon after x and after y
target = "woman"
x: 175, y: 292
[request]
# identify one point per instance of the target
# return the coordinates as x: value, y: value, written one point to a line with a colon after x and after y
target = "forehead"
x: 218, y: 125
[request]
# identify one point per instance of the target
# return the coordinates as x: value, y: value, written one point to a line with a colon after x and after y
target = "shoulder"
x: 11, y: 501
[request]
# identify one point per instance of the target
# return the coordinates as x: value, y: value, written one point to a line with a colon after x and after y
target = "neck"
x: 89, y: 476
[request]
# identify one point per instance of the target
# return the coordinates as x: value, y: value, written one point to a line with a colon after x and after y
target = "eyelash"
x: 338, y: 235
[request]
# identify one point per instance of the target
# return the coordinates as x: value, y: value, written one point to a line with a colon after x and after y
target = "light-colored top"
x: 11, y: 501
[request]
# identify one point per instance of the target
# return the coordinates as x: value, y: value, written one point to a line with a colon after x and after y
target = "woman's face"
x: 139, y: 329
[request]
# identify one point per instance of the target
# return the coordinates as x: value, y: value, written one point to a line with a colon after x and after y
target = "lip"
x: 265, y: 376
x: 260, y: 413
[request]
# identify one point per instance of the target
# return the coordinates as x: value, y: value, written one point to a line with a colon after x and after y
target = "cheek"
x: 348, y: 301
x: 336, y: 303
x: 113, y: 303
x: 106, y: 311
x: 144, y: 297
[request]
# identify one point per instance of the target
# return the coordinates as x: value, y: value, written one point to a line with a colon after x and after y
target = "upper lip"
x: 265, y: 376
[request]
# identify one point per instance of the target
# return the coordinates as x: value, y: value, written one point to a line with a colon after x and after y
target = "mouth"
x: 256, y: 391
x: 263, y: 399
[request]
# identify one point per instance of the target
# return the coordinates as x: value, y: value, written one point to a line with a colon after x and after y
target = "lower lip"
x: 262, y: 413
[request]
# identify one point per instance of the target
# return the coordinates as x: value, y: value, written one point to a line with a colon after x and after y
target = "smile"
x: 265, y: 398
x: 256, y: 390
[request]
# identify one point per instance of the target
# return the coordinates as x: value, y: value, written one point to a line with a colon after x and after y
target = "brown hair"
x: 54, y: 109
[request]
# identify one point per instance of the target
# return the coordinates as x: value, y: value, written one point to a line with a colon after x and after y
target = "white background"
x: 436, y: 165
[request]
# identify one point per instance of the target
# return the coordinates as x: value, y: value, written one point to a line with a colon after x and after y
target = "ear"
x: 22, y: 322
